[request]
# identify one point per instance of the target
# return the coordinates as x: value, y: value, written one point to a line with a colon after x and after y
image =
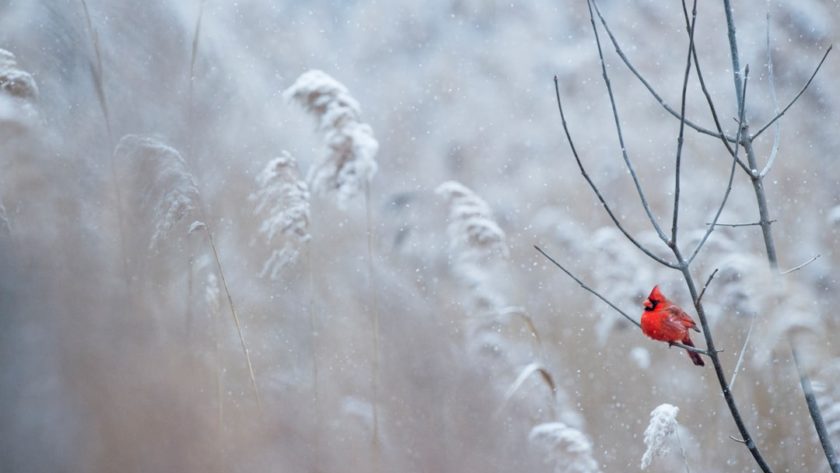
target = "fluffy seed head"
x: 166, y: 191
x: 283, y: 199
x: 567, y: 448
x: 663, y: 424
x: 349, y: 163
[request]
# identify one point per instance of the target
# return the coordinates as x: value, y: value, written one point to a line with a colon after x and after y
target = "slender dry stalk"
x: 191, y: 82
x: 168, y: 194
x: 97, y: 74
x: 346, y: 169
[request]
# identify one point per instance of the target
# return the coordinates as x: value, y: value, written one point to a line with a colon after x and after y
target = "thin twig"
x: 741, y: 119
x: 647, y: 84
x: 374, y: 316
x: 620, y: 134
x: 592, y: 291
x: 193, y: 58
x: 725, y: 140
x: 607, y: 301
x: 708, y: 281
x: 97, y: 73
x: 743, y: 350
x: 796, y: 268
x: 681, y: 134
x: 736, y: 225
x: 816, y: 415
x: 771, y: 79
x: 732, y: 437
x: 795, y: 98
x: 595, y: 188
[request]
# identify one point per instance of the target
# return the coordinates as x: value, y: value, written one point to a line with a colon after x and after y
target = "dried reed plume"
x: 349, y: 164
x: 168, y: 194
x: 476, y: 242
x: 167, y: 190
x: 18, y: 91
x: 475, y: 238
x: 284, y: 200
x: 13, y: 80
x: 567, y: 448
x: 663, y: 424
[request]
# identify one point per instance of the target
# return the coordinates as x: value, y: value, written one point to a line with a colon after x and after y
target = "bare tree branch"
x: 796, y: 268
x: 607, y: 301
x: 736, y: 225
x: 681, y: 134
x: 712, y: 109
x: 708, y: 281
x: 624, y: 154
x: 743, y: 350
x: 795, y: 98
x: 595, y: 188
x: 816, y: 415
x: 741, y: 107
x: 592, y: 291
x: 647, y: 84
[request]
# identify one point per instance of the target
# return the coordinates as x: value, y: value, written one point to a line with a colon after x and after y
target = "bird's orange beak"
x: 648, y: 304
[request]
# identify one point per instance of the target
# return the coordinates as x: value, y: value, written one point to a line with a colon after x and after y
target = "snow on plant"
x: 167, y: 191
x: 13, y: 80
x: 663, y: 425
x: 284, y: 200
x: 474, y: 236
x: 349, y: 164
x: 567, y: 448
x: 18, y: 91
x: 475, y: 241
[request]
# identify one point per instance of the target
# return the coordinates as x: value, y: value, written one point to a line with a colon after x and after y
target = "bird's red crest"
x: 656, y: 295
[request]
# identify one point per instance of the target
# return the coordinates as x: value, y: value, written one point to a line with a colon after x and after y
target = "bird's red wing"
x: 679, y: 316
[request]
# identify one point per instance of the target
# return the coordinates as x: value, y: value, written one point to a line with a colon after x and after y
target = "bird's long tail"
x: 695, y: 357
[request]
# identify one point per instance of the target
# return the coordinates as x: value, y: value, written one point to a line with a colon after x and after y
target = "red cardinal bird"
x: 665, y: 321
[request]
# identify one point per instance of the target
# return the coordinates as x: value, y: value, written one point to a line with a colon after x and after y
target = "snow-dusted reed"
x: 283, y: 199
x: 476, y: 244
x: 568, y: 449
x: 13, y: 80
x: 663, y: 425
x: 349, y: 163
x: 18, y: 91
x: 474, y: 236
x: 165, y: 189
